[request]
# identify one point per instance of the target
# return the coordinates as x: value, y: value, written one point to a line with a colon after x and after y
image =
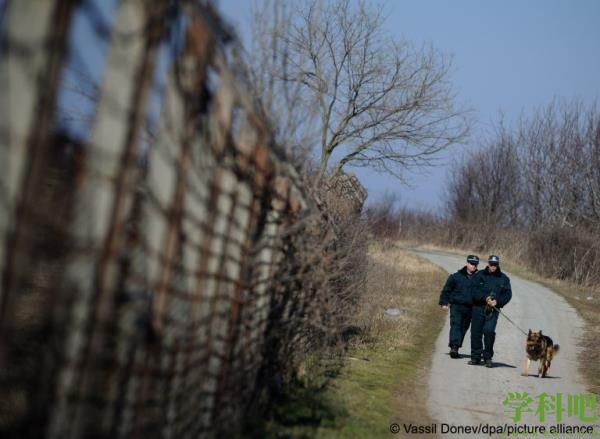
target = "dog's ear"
x: 540, y: 332
x: 529, y: 332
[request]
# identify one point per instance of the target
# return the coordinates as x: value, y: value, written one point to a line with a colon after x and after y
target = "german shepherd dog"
x: 539, y: 348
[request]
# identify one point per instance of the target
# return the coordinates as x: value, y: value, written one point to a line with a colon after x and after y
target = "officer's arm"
x: 506, y: 294
x: 447, y: 291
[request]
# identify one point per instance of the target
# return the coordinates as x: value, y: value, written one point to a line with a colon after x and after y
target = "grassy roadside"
x: 586, y: 300
x: 381, y: 377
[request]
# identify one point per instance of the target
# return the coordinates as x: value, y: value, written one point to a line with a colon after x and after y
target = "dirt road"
x: 461, y: 394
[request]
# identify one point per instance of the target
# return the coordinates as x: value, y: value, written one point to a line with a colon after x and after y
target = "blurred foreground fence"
x: 162, y: 264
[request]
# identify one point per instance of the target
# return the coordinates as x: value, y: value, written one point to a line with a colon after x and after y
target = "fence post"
x: 32, y: 53
x: 26, y: 27
x: 103, y: 206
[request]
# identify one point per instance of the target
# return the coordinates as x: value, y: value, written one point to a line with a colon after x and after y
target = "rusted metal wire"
x: 148, y: 278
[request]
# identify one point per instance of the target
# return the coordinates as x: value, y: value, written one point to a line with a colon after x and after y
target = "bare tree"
x: 462, y: 196
x: 484, y: 189
x: 499, y: 182
x: 291, y: 114
x: 335, y: 82
x: 558, y: 164
x: 591, y: 162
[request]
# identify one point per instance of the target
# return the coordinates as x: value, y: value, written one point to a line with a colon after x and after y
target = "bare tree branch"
x: 335, y: 82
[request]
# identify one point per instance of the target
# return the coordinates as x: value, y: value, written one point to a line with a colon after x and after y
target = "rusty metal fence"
x: 157, y: 261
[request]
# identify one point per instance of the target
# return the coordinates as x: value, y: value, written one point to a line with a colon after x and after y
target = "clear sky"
x: 510, y: 56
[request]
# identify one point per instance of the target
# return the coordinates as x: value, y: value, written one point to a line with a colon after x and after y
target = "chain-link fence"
x: 161, y: 261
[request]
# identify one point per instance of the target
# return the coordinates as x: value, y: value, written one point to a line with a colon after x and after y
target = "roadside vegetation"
x: 380, y: 376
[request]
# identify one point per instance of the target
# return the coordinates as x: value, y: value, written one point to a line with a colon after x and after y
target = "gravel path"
x: 460, y: 394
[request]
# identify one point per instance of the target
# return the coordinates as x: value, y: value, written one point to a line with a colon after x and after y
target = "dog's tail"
x: 555, y: 349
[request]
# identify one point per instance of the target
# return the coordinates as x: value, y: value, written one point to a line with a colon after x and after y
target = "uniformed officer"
x: 491, y: 292
x: 457, y: 295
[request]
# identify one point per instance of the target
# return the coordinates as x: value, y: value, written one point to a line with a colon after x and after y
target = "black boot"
x: 453, y: 351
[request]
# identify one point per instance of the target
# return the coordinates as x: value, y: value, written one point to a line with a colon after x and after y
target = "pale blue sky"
x: 509, y: 56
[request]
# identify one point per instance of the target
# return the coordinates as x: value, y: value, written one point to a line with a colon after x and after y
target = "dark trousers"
x: 483, y: 327
x: 460, y: 319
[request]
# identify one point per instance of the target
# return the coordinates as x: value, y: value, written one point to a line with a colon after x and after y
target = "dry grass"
x: 384, y: 379
x: 395, y: 279
x: 382, y: 376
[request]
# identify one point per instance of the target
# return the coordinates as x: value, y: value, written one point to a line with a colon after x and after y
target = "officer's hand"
x: 444, y: 307
x: 492, y: 302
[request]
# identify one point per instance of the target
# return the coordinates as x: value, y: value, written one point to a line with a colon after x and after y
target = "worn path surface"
x: 461, y: 394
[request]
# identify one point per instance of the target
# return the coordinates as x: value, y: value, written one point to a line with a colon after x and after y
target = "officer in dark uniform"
x: 457, y: 295
x: 491, y: 292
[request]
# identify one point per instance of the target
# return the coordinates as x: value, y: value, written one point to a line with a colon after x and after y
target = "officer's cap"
x: 472, y: 259
x: 493, y: 260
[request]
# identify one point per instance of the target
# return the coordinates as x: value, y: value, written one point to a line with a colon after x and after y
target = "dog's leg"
x: 541, y: 370
x: 547, y: 360
x: 547, y: 368
x: 526, y: 367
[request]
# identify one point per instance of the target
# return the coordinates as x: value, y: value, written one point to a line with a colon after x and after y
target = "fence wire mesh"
x: 159, y: 254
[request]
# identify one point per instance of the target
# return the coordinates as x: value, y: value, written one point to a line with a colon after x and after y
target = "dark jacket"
x: 457, y: 289
x: 495, y: 284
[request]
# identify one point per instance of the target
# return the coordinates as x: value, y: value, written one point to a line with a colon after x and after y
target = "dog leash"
x: 507, y: 318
